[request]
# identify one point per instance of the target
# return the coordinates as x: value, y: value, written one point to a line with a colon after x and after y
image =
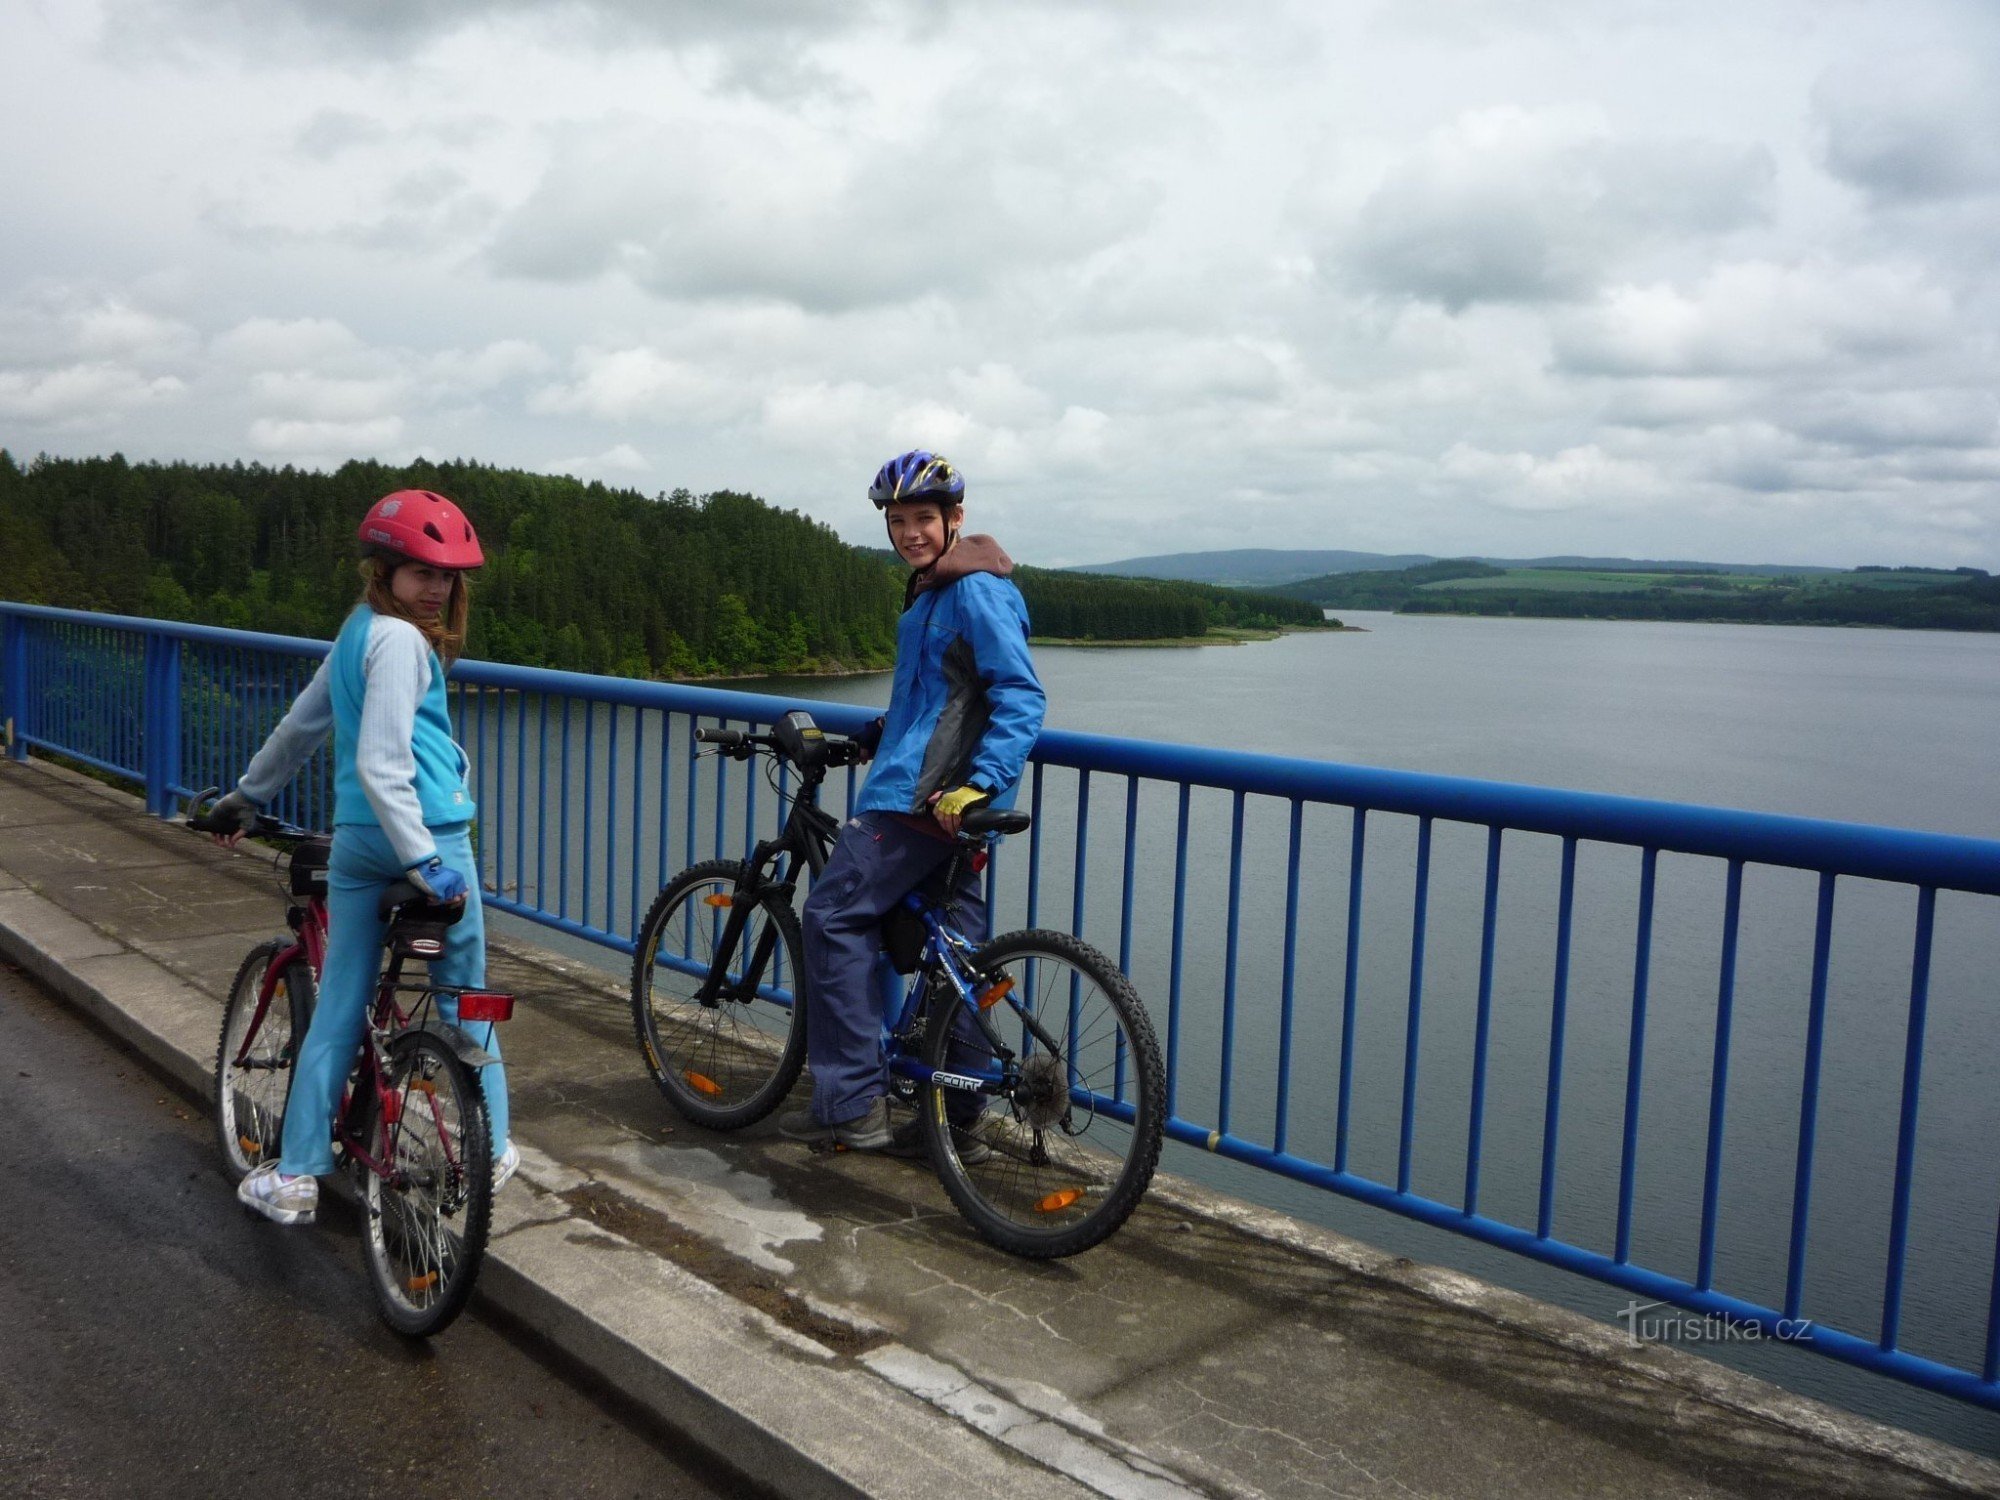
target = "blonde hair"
x: 446, y: 633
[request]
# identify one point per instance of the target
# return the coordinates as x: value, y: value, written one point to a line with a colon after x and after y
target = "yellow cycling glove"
x: 959, y: 801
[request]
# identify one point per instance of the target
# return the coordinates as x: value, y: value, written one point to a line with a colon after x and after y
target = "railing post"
x: 14, y: 679
x: 163, y: 723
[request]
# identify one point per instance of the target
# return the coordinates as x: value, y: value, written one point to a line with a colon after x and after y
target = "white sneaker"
x: 506, y: 1167
x: 281, y: 1199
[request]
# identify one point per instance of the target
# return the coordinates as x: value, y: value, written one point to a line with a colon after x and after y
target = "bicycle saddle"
x: 991, y: 820
x: 404, y: 899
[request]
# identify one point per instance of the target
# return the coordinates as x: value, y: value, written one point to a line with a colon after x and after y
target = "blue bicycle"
x: 1030, y: 1060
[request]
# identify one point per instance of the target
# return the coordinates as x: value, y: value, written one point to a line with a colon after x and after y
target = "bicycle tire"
x: 728, y: 1063
x: 423, y: 1233
x: 1054, y: 1169
x: 249, y: 1105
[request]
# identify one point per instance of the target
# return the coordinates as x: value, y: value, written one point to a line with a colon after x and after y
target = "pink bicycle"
x: 413, y: 1125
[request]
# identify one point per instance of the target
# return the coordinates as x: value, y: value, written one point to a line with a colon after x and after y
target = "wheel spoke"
x: 725, y: 1059
x: 1054, y: 1172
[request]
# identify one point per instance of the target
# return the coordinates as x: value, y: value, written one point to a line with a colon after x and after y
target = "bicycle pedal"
x: 827, y: 1147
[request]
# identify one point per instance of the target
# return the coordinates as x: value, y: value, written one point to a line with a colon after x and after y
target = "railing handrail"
x: 1867, y: 851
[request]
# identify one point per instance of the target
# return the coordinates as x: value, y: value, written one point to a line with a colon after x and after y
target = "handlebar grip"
x: 728, y: 739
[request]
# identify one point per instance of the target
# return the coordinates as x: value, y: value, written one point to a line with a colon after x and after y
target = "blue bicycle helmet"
x: 917, y: 475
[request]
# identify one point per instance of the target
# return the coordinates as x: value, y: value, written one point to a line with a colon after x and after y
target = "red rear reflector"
x: 485, y: 1005
x: 1057, y: 1201
x: 720, y: 898
x: 702, y: 1085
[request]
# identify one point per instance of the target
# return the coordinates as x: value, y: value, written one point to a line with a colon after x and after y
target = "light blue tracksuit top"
x: 440, y: 764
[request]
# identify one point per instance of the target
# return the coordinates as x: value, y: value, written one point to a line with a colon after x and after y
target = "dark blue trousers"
x: 877, y: 861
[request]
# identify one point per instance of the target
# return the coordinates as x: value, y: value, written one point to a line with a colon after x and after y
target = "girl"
x: 401, y: 812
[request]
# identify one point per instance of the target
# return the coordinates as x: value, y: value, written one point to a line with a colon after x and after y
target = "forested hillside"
x: 1078, y: 606
x: 578, y: 576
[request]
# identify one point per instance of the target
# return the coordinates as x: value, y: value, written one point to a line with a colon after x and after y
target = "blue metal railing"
x: 1221, y: 889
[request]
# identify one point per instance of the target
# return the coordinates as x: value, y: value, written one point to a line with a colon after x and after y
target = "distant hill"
x: 1263, y: 567
x: 1914, y: 598
x: 1255, y: 567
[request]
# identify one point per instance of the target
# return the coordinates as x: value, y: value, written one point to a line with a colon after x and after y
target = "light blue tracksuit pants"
x: 362, y: 866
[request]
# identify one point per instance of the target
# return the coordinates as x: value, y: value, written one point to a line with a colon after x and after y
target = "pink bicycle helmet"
x: 422, y: 526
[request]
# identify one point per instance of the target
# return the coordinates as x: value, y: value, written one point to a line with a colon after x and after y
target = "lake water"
x: 1884, y: 727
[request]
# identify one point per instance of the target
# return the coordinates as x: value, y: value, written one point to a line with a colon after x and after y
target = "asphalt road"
x: 157, y: 1340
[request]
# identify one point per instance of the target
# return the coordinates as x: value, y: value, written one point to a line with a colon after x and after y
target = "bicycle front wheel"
x: 428, y: 1200
x: 725, y: 1059
x: 253, y: 1058
x: 1060, y: 1158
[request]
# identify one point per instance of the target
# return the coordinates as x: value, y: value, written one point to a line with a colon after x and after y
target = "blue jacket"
x: 966, y: 706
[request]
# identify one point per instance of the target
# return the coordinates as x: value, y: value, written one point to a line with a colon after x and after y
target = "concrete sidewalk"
x: 830, y: 1327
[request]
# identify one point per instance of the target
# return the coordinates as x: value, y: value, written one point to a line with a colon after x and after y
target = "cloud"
x: 88, y: 395
x: 330, y: 132
x: 1911, y: 127
x: 285, y: 343
x: 1575, y: 478
x: 623, y: 385
x: 372, y: 438
x: 829, y: 220
x: 1512, y: 205
x: 327, y: 398
x: 621, y: 460
x: 484, y: 369
x: 62, y: 323
x: 390, y: 29
x: 1757, y: 316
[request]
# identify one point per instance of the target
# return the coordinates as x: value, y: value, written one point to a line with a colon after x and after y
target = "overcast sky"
x: 1687, y: 279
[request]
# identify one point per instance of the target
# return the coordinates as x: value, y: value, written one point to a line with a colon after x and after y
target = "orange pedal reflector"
x: 996, y: 993
x: 720, y: 898
x: 253, y: 1147
x: 421, y: 1283
x: 702, y: 1084
x: 424, y: 1086
x: 1059, y: 1200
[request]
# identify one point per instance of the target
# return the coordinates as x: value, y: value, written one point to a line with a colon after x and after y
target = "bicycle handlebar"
x: 266, y: 826
x: 740, y: 745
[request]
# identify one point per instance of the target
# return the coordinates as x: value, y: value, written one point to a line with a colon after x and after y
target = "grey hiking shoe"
x: 868, y: 1132
x: 907, y: 1139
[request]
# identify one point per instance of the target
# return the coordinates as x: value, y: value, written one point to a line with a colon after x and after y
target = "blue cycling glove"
x: 437, y: 880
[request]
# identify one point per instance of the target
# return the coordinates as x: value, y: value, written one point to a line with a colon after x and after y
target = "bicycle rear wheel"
x: 253, y: 1058
x: 1058, y: 1161
x: 425, y: 1220
x: 728, y: 1060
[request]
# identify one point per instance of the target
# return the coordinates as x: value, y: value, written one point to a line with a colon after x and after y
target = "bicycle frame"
x: 944, y: 952
x: 807, y: 836
x: 386, y: 1021
x: 309, y: 924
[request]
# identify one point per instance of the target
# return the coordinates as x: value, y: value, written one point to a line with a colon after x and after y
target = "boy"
x: 964, y: 711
